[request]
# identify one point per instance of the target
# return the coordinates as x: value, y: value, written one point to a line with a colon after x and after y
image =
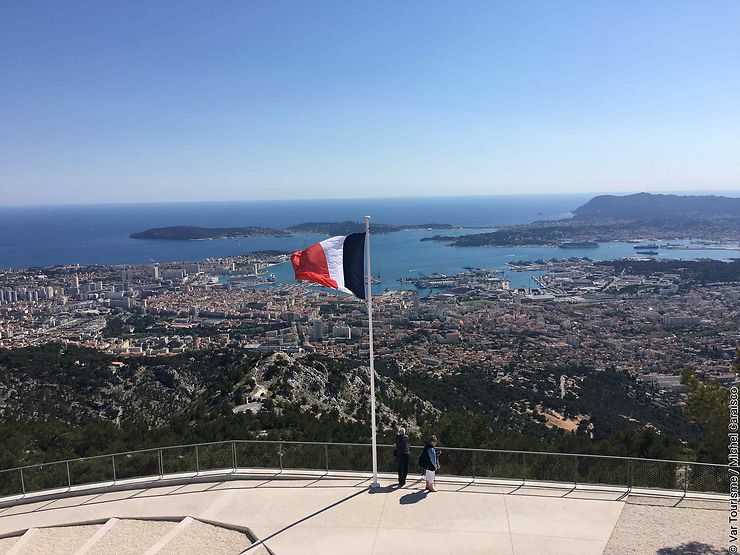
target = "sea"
x: 38, y: 236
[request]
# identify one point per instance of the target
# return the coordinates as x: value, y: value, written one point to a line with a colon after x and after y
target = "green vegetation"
x: 698, y: 271
x: 60, y: 402
x: 707, y: 404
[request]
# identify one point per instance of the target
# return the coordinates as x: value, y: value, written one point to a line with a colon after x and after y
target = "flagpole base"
x: 374, y: 484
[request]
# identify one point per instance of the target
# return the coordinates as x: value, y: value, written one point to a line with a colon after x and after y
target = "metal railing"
x: 529, y: 466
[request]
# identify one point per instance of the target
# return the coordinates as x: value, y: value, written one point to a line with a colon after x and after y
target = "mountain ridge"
x: 655, y: 207
x: 623, y: 218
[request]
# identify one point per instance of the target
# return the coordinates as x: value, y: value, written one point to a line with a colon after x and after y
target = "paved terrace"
x: 296, y: 512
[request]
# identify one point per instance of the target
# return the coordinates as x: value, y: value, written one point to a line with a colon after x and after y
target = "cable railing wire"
x: 525, y: 466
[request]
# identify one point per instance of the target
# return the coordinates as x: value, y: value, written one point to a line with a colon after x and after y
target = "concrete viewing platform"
x: 264, y: 511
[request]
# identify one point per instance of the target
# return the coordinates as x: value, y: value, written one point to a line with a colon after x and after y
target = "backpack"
x: 424, y: 460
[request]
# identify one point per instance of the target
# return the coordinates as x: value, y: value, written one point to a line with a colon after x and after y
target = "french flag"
x: 336, y: 262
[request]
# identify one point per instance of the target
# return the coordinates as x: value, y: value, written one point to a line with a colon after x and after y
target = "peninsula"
x: 625, y: 218
x: 194, y: 233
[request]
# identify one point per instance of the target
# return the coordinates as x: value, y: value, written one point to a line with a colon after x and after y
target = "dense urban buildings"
x: 583, y: 314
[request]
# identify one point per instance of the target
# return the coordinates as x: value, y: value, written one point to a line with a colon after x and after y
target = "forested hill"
x: 191, y: 233
x: 649, y: 207
x: 62, y: 401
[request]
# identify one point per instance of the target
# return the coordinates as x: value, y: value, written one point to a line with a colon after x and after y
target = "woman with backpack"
x: 429, y: 462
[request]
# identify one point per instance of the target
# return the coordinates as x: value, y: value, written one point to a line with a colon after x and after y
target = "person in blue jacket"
x: 429, y: 462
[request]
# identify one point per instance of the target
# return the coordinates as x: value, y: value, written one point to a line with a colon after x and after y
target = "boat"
x: 651, y: 246
x: 648, y: 252
x: 579, y: 245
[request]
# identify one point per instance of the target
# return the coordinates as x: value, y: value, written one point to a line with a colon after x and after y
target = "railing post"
x: 233, y: 454
x: 326, y: 456
x: 472, y: 464
x: 280, y: 454
x: 197, y: 461
x: 685, y: 478
x: 23, y: 483
x: 575, y: 470
x: 161, y: 469
x: 113, y: 463
x: 630, y: 479
x: 524, y: 467
x: 69, y: 479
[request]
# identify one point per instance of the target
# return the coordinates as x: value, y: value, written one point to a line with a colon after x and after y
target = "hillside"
x: 201, y: 385
x: 650, y: 207
x: 58, y: 401
x: 624, y: 218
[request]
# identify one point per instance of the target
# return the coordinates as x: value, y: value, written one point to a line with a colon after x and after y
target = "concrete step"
x: 96, y: 537
x: 7, y: 543
x: 219, y: 541
x: 61, y: 540
x: 22, y: 542
x: 164, y: 540
x: 131, y: 537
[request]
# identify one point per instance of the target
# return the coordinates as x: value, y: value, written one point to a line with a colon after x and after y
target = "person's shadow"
x: 382, y: 489
x: 411, y: 498
x: 691, y: 548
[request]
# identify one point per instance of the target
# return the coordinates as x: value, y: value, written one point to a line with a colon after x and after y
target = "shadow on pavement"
x: 691, y: 548
x: 262, y: 541
x: 411, y: 498
x: 382, y: 489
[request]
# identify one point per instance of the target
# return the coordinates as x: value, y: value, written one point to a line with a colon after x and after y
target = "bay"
x: 99, y: 234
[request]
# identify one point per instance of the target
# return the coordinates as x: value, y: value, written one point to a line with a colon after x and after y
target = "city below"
x: 644, y: 318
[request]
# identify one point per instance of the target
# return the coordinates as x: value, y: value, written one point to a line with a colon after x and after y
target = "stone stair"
x: 129, y: 536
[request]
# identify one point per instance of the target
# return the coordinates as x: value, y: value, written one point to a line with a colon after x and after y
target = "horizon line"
x: 678, y: 192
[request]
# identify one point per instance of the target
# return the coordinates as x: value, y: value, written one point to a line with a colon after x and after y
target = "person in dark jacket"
x: 429, y: 462
x: 402, y: 456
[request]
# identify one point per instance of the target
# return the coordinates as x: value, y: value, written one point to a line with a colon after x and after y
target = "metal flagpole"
x: 369, y: 279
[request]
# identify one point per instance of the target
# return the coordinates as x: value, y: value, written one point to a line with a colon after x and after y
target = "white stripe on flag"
x: 334, y: 252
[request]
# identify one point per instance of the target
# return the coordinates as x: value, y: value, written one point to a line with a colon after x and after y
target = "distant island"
x: 624, y: 218
x: 194, y: 233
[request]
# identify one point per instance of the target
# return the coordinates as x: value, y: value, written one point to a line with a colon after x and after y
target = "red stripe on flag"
x: 310, y: 265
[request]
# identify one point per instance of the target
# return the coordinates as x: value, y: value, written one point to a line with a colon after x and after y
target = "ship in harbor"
x: 248, y: 280
x: 648, y: 252
x: 579, y: 245
x: 650, y: 247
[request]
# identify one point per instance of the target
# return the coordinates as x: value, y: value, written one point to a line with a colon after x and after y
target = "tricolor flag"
x: 336, y: 262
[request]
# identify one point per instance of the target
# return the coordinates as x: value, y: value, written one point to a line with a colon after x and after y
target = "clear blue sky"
x: 148, y: 101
